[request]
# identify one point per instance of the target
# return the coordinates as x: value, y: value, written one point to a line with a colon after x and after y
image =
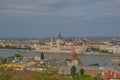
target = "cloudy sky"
x: 46, y: 18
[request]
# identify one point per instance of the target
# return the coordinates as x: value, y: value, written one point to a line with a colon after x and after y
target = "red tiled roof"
x: 93, y: 72
x: 111, y: 75
x: 26, y: 75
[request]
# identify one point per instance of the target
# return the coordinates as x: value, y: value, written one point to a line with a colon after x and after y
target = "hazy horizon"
x: 46, y: 18
x: 64, y: 37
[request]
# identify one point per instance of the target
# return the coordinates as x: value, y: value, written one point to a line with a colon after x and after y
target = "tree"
x: 6, y: 73
x: 83, y: 77
x: 49, y: 73
x: 4, y: 60
x: 42, y: 55
x: 82, y: 71
x: 98, y: 77
x: 94, y: 49
x: 18, y: 55
x: 73, y: 71
x: 95, y: 64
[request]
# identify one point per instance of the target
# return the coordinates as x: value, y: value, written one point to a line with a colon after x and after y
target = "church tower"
x: 75, y: 58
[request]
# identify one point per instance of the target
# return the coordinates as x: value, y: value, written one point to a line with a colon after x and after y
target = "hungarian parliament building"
x: 60, y: 46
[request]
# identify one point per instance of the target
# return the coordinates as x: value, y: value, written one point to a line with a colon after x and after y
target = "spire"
x: 75, y: 56
x: 51, y: 41
x: 59, y: 36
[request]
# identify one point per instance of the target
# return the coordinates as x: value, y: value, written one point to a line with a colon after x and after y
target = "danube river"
x: 85, y: 59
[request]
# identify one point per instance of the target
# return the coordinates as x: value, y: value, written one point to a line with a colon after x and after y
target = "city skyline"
x: 46, y: 18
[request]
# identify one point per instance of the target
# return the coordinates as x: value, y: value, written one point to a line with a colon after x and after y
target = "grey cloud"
x: 60, y: 7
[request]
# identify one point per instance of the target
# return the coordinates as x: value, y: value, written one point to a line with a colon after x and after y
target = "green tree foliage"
x: 98, y: 77
x: 42, y: 55
x: 26, y: 47
x: 95, y: 64
x: 4, y: 60
x: 82, y: 71
x: 44, y: 76
x: 94, y: 49
x: 104, y: 51
x: 50, y: 73
x: 18, y: 55
x: 98, y: 50
x: 83, y: 77
x: 73, y: 71
x: 6, y: 73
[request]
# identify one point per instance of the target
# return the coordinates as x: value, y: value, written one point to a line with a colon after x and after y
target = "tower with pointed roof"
x: 59, y: 36
x: 51, y: 43
x: 75, y: 58
x: 59, y: 40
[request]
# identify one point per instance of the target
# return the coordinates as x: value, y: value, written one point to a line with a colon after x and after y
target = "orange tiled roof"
x: 93, y: 72
x: 111, y: 75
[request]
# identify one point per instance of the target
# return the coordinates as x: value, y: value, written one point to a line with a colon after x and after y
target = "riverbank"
x: 86, y: 59
x: 16, y: 49
x: 85, y: 53
x: 112, y: 55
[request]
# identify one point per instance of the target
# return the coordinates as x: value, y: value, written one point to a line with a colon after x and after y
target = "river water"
x: 85, y: 59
